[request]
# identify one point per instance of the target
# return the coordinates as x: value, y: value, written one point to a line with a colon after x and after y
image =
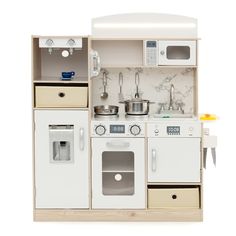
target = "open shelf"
x: 48, y: 67
x: 118, y: 171
x: 76, y: 80
x: 174, y: 183
x: 61, y: 108
x: 117, y: 53
x: 142, y: 66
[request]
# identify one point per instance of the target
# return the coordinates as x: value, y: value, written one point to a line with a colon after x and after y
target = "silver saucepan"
x: 137, y: 106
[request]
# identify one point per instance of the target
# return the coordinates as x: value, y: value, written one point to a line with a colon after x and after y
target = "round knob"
x: 100, y: 130
x: 71, y: 42
x: 162, y: 52
x: 118, y: 177
x: 135, y: 130
x: 156, y: 131
x: 49, y: 42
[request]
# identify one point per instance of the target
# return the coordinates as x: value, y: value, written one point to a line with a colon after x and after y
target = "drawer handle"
x: 174, y: 196
x: 61, y: 94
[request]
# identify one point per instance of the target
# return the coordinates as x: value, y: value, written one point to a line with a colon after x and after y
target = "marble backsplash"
x: 154, y: 85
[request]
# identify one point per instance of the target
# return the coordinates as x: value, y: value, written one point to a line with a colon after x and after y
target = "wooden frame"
x: 90, y: 214
x: 119, y: 215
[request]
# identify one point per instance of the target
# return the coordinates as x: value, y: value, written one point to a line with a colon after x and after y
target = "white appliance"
x: 177, y: 52
x: 150, y: 52
x: 174, y: 151
x: 118, y: 165
x: 61, y: 159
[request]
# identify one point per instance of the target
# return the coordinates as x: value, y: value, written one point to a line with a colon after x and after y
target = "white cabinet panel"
x: 118, y: 173
x: 174, y: 159
x: 61, y: 159
x: 177, y: 53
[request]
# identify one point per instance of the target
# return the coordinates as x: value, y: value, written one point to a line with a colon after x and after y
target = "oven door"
x: 118, y: 173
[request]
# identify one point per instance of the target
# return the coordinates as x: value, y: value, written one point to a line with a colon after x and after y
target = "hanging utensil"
x: 120, y: 95
x: 137, y: 84
x: 104, y: 94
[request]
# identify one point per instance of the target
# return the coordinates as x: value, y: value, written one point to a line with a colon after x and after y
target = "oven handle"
x: 118, y: 144
x: 154, y: 160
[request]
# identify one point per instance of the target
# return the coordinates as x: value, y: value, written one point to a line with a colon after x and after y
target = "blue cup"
x: 67, y: 75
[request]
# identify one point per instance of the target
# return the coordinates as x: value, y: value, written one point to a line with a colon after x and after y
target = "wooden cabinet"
x: 173, y: 197
x: 61, y: 159
x: 61, y: 96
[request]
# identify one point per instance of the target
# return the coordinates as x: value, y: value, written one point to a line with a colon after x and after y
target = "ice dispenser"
x: 61, y: 138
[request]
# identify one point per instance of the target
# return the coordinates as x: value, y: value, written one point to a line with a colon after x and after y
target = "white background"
x: 20, y: 19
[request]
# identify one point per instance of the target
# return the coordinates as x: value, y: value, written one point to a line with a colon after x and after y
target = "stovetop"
x: 144, y: 118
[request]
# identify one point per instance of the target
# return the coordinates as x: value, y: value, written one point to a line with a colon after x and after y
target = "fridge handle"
x: 154, y: 160
x: 81, y: 139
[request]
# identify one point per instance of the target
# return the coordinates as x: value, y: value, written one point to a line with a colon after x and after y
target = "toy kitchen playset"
x: 116, y: 130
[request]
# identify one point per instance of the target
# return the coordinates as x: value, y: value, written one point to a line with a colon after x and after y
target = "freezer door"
x: 61, y: 159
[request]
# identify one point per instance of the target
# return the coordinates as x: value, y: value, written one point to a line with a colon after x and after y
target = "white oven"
x: 118, y: 168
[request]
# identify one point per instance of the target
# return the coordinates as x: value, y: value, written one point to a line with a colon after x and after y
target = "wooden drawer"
x: 173, y: 198
x: 61, y: 96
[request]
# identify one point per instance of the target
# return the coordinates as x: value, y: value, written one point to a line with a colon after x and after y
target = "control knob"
x: 71, y: 42
x: 135, y: 130
x: 49, y: 42
x: 100, y: 130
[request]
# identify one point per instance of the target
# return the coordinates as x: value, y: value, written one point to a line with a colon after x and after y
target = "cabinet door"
x: 177, y: 53
x: 118, y: 178
x: 174, y: 160
x: 61, y: 159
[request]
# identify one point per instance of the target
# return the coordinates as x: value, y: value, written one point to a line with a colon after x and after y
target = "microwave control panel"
x: 151, y: 52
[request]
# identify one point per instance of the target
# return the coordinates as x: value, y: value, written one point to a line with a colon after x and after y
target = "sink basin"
x: 171, y: 112
x: 173, y: 115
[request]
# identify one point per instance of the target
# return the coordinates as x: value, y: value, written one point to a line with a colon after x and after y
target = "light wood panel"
x: 119, y: 215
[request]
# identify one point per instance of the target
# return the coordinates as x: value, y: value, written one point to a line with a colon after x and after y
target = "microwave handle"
x: 154, y: 160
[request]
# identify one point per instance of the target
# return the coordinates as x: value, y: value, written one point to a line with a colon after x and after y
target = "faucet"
x: 171, y: 97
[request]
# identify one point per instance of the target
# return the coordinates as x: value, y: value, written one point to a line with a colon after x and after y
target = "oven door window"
x: 118, y: 173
